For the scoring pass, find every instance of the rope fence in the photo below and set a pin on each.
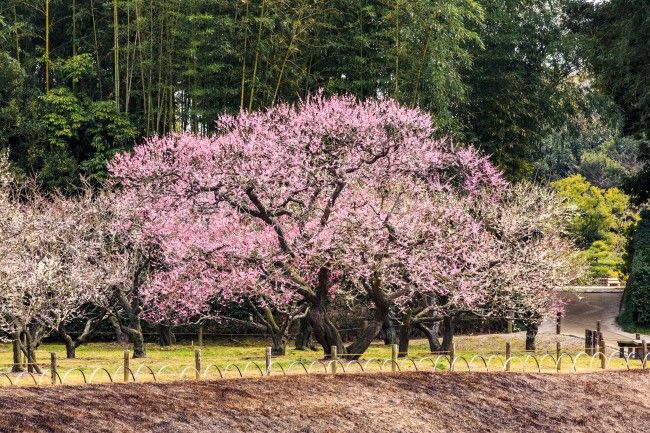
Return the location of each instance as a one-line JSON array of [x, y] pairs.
[[557, 362]]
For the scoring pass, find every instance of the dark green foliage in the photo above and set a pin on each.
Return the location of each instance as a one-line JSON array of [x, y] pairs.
[[615, 37], [504, 75], [519, 89], [637, 293], [175, 65]]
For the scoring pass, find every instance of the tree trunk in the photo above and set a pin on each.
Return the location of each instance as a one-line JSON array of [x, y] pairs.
[[165, 335], [531, 333], [132, 333], [449, 326], [404, 337], [304, 338], [136, 337], [89, 329], [432, 335], [279, 346], [324, 330], [363, 341], [70, 348], [328, 335], [17, 366], [30, 352], [120, 336], [388, 329]]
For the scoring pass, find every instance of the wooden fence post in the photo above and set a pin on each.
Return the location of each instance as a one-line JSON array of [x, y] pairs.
[[200, 336], [393, 357], [644, 353], [127, 363], [53, 372], [601, 349], [510, 322], [197, 363], [558, 354], [268, 360], [17, 354], [25, 359], [452, 356], [334, 359], [558, 324], [508, 355]]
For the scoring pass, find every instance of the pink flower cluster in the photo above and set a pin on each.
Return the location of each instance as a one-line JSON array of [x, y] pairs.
[[332, 195]]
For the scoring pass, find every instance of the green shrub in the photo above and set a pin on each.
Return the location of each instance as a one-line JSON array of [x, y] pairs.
[[636, 300]]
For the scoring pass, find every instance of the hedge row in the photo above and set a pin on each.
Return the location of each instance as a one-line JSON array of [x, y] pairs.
[[636, 301]]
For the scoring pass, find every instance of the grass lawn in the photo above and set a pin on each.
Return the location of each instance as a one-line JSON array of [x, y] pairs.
[[247, 358]]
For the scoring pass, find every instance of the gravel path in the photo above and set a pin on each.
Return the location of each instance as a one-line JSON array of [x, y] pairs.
[[585, 309]]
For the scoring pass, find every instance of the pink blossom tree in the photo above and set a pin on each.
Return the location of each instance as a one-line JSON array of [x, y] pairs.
[[330, 197]]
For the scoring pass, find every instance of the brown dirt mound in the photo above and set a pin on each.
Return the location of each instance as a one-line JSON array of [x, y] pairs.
[[408, 402]]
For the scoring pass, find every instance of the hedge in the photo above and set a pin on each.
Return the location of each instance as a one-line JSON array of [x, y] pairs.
[[636, 299]]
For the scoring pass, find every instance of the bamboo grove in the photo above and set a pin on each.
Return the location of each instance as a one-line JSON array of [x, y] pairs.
[[88, 78], [175, 64]]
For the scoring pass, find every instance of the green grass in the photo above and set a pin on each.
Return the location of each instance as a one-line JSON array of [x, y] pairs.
[[172, 363]]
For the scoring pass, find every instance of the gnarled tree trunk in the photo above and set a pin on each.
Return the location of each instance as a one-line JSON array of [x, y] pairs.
[[279, 346], [166, 335], [448, 329], [71, 344], [304, 339], [17, 364], [531, 334], [32, 341], [431, 332], [133, 332], [404, 336], [327, 334], [388, 329]]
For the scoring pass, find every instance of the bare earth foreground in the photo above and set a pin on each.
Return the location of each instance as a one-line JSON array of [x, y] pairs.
[[408, 402]]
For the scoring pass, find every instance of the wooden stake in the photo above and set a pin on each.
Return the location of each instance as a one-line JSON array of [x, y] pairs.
[[127, 363], [268, 361], [53, 372], [452, 356], [334, 359], [395, 351], [601, 349], [197, 363], [508, 355]]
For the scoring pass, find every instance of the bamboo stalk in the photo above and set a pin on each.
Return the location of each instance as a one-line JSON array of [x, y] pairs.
[[92, 15], [47, 46], [116, 55], [257, 56], [244, 55], [294, 35]]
